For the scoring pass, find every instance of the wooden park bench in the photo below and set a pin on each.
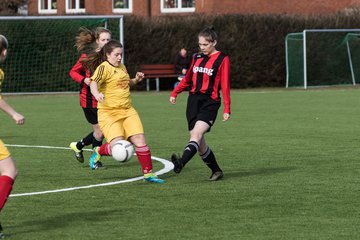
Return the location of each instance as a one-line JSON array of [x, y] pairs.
[[157, 71]]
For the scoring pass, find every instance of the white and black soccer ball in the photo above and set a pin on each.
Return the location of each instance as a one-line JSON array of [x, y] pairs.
[[122, 151]]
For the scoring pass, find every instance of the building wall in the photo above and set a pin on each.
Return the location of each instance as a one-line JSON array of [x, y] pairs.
[[32, 7], [302, 7], [61, 7], [98, 7], [292, 7], [140, 7]]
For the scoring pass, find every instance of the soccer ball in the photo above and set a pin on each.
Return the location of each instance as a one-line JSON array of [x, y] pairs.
[[122, 151]]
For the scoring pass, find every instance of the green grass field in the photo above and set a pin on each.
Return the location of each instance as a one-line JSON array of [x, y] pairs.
[[291, 160]]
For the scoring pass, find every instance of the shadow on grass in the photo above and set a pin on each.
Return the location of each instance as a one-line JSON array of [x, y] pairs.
[[259, 171], [60, 222]]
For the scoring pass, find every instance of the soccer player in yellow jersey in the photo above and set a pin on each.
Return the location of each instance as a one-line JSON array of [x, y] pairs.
[[86, 42], [8, 170], [110, 85]]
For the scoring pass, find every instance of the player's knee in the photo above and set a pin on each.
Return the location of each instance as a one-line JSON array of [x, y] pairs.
[[98, 135], [138, 140]]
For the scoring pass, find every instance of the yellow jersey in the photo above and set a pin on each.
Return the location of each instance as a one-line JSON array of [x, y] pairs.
[[114, 83]]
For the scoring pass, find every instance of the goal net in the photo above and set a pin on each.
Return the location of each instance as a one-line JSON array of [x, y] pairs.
[[42, 52], [323, 57]]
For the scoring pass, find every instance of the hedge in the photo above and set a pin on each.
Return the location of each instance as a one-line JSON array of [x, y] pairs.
[[255, 43]]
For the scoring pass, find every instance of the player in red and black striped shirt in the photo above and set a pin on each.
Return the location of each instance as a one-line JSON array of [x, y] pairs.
[[86, 42], [208, 75]]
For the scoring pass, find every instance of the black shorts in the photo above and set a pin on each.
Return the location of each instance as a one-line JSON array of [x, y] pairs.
[[91, 115], [201, 107]]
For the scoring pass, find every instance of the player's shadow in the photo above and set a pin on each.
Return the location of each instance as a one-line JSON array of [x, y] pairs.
[[258, 171], [61, 221]]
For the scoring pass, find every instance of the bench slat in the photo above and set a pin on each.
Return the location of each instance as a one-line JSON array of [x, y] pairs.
[[157, 71]]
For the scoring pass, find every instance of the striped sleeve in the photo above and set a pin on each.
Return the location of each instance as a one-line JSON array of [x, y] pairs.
[[78, 73], [99, 74], [225, 84], [185, 82]]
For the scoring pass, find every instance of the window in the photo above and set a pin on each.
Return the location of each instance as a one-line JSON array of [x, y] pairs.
[[75, 6], [122, 6], [173, 6], [47, 6]]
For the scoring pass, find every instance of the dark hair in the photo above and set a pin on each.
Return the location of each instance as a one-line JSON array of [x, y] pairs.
[[94, 59], [209, 34], [4, 44], [85, 40]]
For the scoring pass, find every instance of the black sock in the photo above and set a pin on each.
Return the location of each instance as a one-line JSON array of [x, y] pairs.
[[209, 159], [85, 141], [190, 150]]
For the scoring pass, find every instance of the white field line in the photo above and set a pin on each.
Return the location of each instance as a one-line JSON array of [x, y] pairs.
[[168, 166]]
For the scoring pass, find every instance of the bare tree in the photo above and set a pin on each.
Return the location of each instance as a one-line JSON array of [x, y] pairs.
[[10, 7]]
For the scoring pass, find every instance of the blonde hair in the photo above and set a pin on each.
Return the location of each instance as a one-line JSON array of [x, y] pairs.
[[100, 30]]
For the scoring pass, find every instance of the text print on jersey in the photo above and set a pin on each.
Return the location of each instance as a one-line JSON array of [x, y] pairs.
[[208, 71]]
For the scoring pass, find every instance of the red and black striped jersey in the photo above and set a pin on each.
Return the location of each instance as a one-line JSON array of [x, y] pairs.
[[208, 75], [78, 73]]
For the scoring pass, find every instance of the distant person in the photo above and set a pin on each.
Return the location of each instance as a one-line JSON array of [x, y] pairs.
[[8, 171], [118, 119], [182, 64], [88, 41], [208, 75]]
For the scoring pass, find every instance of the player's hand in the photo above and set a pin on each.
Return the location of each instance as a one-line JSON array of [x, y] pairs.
[[226, 116], [139, 77], [172, 100], [19, 119], [99, 97]]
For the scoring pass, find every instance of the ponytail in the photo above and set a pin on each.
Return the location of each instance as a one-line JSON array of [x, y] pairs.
[[84, 40]]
